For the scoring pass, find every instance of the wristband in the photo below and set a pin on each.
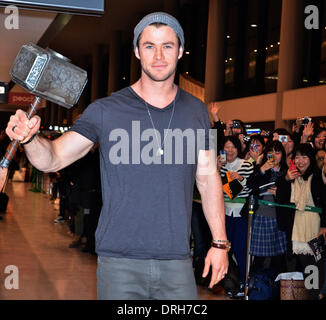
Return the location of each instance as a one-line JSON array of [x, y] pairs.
[[30, 140], [224, 246]]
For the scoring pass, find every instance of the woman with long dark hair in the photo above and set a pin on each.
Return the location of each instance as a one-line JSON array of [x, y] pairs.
[[255, 149], [267, 241], [303, 187]]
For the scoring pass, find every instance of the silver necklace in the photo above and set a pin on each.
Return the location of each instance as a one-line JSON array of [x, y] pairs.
[[160, 151]]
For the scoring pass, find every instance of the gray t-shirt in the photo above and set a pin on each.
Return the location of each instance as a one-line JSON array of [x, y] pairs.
[[147, 207]]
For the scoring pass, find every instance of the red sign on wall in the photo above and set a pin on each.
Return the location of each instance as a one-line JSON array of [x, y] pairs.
[[20, 98]]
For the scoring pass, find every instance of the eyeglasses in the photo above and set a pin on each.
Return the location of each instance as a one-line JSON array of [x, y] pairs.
[[320, 159]]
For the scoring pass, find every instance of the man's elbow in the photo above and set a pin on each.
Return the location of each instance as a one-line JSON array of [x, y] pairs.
[[201, 184], [205, 182], [47, 169], [53, 165]]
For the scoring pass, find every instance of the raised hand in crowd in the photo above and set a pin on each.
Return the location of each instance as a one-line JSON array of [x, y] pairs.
[[241, 138], [255, 153], [297, 125], [214, 108], [228, 130], [307, 132], [275, 136]]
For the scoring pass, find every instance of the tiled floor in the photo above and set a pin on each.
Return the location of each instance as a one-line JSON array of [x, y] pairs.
[[47, 268]]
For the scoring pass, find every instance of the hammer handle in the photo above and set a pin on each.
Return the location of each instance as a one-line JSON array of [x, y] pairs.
[[13, 146]]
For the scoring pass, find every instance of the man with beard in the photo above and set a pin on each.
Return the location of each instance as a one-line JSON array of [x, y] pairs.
[[142, 238]]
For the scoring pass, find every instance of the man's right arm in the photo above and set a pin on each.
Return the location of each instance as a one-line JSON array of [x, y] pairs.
[[51, 156], [46, 155]]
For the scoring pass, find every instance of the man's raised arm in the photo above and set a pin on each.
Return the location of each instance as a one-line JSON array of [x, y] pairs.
[[44, 154]]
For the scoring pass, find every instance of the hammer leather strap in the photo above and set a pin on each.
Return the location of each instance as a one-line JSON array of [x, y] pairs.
[[30, 140]]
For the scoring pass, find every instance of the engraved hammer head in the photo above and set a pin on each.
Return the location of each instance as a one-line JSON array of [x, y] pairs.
[[48, 75]]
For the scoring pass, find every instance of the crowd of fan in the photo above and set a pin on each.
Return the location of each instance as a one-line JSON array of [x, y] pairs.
[[280, 168], [285, 172]]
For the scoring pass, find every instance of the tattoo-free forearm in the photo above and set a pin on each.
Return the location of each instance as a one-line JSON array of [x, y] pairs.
[[50, 156], [40, 154], [213, 204]]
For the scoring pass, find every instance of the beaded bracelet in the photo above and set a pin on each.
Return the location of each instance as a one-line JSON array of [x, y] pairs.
[[220, 241]]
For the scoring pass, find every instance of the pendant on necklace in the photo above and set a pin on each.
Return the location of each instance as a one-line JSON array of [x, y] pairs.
[[160, 152]]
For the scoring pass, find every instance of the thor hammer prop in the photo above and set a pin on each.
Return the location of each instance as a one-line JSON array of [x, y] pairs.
[[46, 74]]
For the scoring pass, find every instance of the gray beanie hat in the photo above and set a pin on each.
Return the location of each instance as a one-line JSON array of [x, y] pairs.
[[159, 17]]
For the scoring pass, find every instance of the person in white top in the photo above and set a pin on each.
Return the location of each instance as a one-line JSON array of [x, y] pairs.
[[236, 225]]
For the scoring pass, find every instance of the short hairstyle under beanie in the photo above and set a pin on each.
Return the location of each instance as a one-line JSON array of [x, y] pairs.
[[159, 17]]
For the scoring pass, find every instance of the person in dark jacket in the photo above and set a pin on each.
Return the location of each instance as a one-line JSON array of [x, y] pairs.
[[86, 200], [268, 243], [91, 199], [302, 186]]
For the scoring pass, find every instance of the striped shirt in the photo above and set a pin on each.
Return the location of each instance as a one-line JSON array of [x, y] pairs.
[[244, 168]]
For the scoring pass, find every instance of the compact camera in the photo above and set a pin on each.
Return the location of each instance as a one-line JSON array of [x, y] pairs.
[[305, 120], [236, 124], [282, 138]]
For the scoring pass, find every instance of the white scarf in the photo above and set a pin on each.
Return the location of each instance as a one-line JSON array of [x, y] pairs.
[[306, 224]]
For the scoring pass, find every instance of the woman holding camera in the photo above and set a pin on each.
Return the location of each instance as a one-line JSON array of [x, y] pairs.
[[234, 168], [302, 186], [267, 241], [286, 139], [255, 149]]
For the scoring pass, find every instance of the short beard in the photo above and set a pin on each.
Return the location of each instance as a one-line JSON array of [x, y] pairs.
[[158, 79]]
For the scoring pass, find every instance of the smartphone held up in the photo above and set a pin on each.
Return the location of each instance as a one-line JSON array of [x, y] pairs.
[[292, 166], [223, 156]]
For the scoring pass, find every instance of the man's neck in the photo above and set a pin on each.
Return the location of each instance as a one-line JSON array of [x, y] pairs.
[[157, 93]]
